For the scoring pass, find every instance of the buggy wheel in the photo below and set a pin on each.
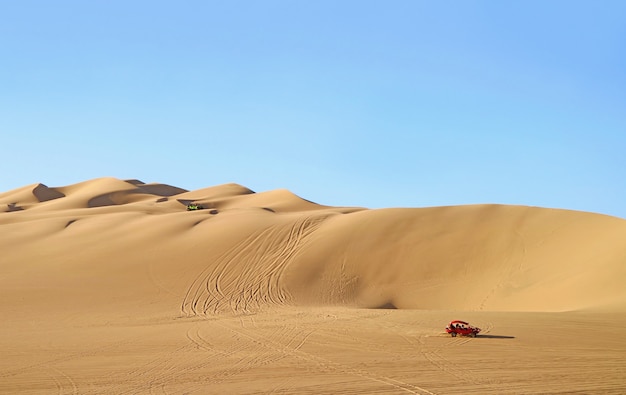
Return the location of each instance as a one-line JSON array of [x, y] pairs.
[[473, 334], [453, 334]]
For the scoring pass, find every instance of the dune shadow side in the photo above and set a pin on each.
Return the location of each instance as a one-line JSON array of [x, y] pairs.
[[495, 337], [387, 306], [44, 194], [13, 207]]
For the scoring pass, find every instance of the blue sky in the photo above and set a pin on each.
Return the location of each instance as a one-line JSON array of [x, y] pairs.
[[353, 103]]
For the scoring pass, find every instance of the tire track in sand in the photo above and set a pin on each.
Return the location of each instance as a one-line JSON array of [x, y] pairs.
[[324, 364], [249, 275], [435, 356]]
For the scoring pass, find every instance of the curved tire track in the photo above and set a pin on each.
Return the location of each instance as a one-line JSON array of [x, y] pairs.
[[249, 275]]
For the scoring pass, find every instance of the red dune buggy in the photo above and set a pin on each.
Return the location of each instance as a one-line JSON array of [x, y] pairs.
[[462, 328]]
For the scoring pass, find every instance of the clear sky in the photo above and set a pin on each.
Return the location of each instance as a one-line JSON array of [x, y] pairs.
[[348, 103]]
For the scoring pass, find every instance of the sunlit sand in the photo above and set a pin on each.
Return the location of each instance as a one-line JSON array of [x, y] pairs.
[[114, 287]]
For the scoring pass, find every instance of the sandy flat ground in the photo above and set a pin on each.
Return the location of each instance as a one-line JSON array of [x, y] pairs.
[[114, 287], [319, 350]]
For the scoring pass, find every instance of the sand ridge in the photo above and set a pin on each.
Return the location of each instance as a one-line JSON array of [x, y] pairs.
[[110, 261]]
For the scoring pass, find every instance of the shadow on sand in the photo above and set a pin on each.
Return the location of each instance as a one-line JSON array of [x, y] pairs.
[[494, 337]]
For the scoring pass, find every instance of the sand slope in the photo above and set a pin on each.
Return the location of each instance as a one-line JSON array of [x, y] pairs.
[[251, 249], [119, 275]]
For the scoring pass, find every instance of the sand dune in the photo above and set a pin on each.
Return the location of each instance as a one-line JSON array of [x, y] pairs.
[[28, 196], [116, 278]]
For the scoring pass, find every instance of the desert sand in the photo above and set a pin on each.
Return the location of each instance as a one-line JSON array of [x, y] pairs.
[[113, 287]]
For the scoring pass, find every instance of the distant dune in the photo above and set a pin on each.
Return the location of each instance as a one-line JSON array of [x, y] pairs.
[[248, 250], [115, 287]]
